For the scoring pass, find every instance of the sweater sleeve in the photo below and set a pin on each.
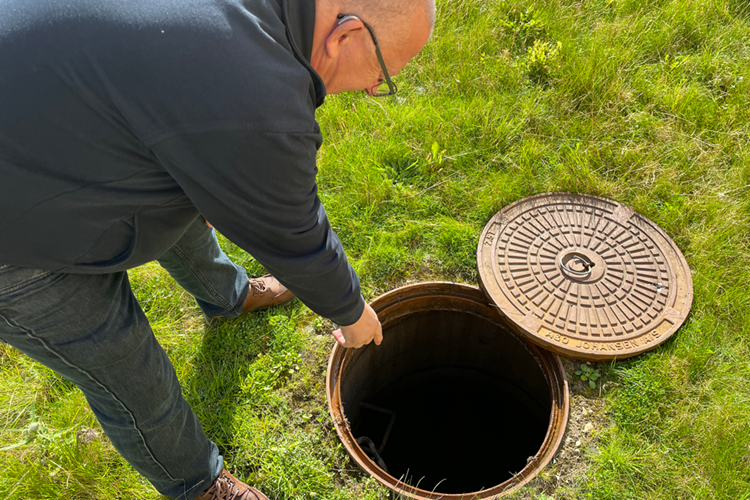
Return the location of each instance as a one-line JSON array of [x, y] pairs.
[[258, 188]]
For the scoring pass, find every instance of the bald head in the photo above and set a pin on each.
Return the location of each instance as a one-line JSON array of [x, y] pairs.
[[344, 54], [392, 20]]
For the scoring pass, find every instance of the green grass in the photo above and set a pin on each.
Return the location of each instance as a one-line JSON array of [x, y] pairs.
[[644, 102]]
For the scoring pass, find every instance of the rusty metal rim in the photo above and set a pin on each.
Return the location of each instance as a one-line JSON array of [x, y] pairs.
[[386, 306]]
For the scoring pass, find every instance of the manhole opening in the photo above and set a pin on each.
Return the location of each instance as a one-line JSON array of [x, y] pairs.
[[450, 402]]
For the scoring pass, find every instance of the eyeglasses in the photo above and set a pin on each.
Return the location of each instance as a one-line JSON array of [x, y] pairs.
[[392, 89]]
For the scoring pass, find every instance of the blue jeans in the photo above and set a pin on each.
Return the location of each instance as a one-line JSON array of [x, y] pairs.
[[92, 331]]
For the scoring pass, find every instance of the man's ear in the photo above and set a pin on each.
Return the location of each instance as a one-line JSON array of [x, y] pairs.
[[341, 35]]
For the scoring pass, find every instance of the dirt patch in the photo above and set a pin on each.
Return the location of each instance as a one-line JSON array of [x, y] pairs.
[[566, 476]]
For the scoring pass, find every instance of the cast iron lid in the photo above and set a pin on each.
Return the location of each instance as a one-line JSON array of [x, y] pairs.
[[584, 276]]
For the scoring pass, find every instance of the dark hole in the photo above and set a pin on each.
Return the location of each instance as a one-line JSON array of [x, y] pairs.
[[471, 402]]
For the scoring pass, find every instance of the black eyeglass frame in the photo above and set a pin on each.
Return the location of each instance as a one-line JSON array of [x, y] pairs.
[[392, 89]]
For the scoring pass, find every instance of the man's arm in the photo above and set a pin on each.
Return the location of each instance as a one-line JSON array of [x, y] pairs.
[[258, 188]]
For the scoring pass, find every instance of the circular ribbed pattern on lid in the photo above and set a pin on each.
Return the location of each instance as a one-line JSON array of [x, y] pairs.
[[584, 276]]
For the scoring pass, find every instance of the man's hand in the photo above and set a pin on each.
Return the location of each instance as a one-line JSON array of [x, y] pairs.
[[365, 330]]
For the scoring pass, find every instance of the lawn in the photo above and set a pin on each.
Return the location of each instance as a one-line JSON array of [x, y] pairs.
[[643, 102]]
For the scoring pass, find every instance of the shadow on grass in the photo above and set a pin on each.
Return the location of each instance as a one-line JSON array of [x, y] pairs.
[[223, 363]]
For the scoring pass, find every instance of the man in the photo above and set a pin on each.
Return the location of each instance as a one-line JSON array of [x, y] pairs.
[[124, 126]]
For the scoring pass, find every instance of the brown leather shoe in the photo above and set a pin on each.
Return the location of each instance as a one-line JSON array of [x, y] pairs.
[[265, 291], [227, 487]]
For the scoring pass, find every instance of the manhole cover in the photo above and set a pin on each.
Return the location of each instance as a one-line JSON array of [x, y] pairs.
[[584, 276]]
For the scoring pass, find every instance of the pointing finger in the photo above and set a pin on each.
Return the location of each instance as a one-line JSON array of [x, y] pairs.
[[339, 337]]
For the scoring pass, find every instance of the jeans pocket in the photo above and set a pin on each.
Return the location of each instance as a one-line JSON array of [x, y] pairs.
[[13, 279]]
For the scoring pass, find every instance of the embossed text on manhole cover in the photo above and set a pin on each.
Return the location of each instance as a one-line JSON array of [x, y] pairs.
[[584, 276]]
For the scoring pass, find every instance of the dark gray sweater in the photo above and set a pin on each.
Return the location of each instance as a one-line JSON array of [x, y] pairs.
[[122, 121]]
